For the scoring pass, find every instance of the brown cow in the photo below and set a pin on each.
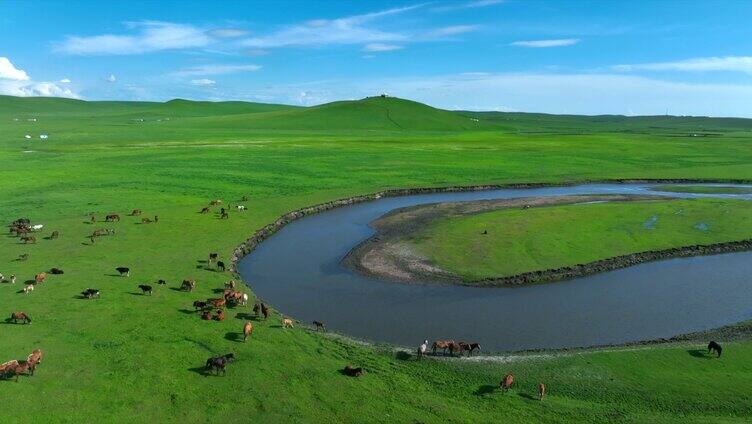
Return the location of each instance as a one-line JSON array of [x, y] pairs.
[[39, 278], [541, 391], [20, 316], [247, 330], [112, 217], [507, 382], [220, 315]]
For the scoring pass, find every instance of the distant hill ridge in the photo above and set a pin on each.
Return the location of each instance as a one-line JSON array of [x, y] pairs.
[[371, 113]]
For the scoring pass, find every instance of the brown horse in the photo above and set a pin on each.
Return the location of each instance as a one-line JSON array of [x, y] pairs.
[[8, 367], [34, 359], [247, 330], [455, 347], [217, 303], [541, 391], [20, 316], [220, 315], [441, 344], [506, 382]]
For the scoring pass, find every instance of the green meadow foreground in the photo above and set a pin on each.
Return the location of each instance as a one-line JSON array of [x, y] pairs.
[[124, 354], [540, 238]]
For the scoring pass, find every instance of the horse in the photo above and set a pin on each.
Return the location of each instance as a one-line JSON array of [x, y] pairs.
[[441, 344], [20, 316], [319, 325], [198, 305], [247, 330], [219, 363], [469, 347], [224, 215], [256, 309], [112, 217], [205, 209], [217, 303], [541, 391], [21, 368], [123, 271], [265, 310], [455, 347], [287, 323], [188, 285], [135, 212], [34, 359], [8, 368], [206, 315], [221, 266], [713, 346], [352, 372], [506, 382], [145, 289], [39, 278], [161, 282], [422, 349], [56, 271]]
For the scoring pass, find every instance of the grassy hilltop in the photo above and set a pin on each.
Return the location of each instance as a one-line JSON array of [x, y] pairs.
[[108, 358]]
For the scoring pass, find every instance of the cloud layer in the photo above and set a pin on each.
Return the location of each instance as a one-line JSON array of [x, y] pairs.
[[702, 64], [16, 82], [560, 42]]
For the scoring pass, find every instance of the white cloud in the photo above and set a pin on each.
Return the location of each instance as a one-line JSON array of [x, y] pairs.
[[65, 81], [381, 47], [469, 5], [10, 72], [16, 82], [561, 42], [111, 78], [702, 64], [347, 30], [204, 82], [451, 30], [217, 69], [227, 32], [152, 36]]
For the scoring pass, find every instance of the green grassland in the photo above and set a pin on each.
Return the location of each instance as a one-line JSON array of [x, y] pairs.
[[127, 355], [703, 189], [525, 240]]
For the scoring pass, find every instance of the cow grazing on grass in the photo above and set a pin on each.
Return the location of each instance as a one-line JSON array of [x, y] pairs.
[[423, 349], [213, 257], [90, 293], [218, 363], [541, 391], [713, 346], [265, 310], [28, 239], [39, 278], [20, 316], [247, 330], [123, 271], [319, 325], [112, 217], [28, 288], [287, 323], [145, 289], [136, 212], [441, 344], [220, 266], [56, 271], [188, 285], [506, 382], [352, 372]]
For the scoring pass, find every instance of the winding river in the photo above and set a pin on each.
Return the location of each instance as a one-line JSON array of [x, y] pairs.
[[297, 270]]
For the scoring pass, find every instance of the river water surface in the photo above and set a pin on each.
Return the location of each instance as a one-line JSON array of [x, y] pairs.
[[297, 270]]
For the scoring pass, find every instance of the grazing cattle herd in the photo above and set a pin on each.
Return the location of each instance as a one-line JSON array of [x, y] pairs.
[[208, 309]]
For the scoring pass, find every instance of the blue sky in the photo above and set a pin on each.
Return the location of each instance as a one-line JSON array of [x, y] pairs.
[[584, 57]]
